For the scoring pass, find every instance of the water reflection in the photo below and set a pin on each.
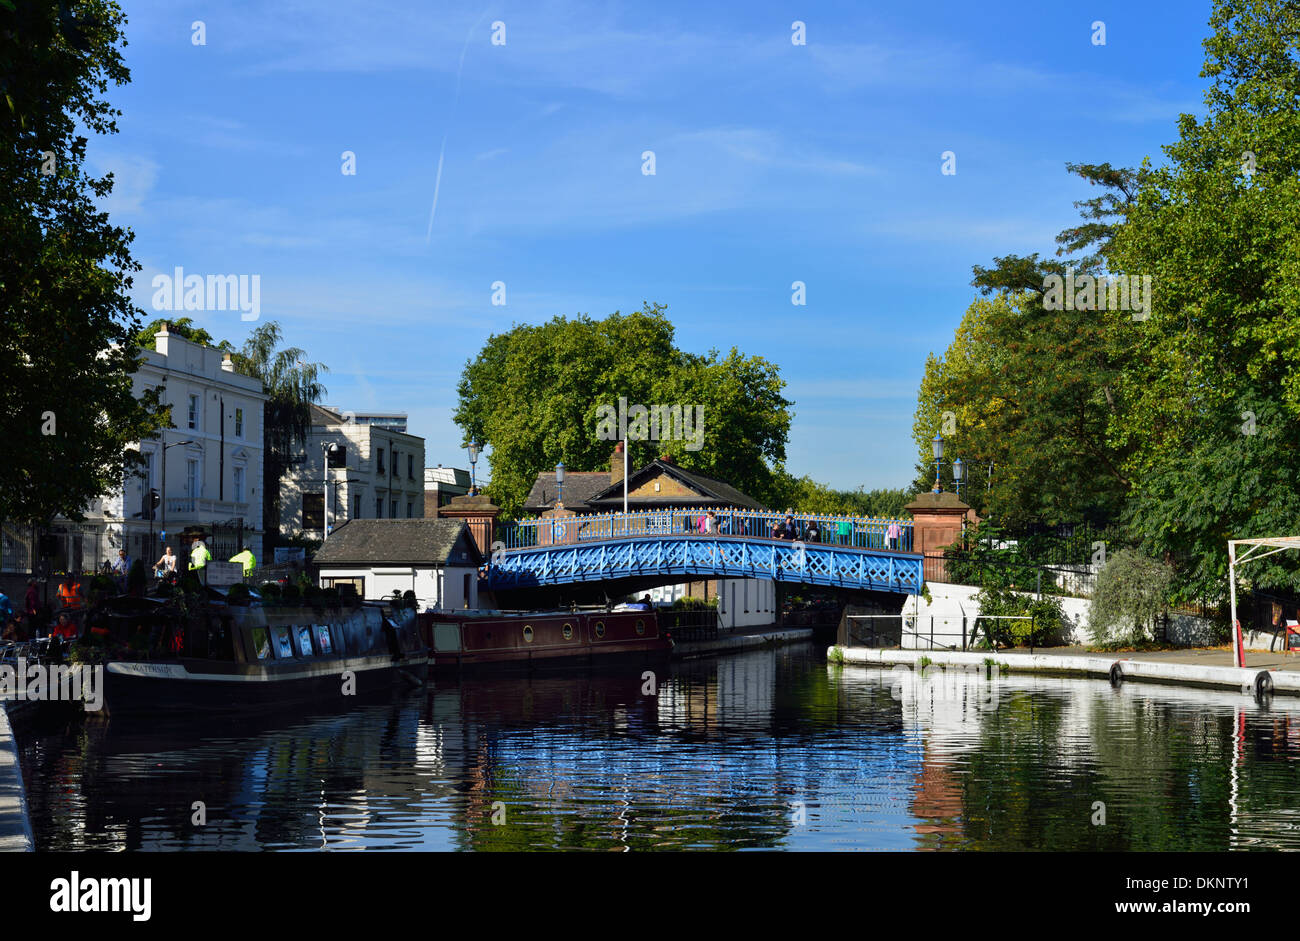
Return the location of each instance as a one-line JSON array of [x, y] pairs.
[[772, 749]]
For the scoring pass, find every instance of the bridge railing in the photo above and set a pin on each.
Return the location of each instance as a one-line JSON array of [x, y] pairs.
[[858, 532]]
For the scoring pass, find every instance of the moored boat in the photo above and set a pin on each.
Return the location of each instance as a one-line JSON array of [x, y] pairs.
[[467, 639], [239, 658]]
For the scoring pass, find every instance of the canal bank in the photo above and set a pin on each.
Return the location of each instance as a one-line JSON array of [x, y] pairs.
[[1206, 668], [15, 828], [746, 639]]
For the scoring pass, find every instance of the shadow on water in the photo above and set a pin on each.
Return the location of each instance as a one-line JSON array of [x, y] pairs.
[[770, 749]]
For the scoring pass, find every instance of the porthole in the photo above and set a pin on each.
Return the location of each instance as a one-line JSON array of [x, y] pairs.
[[568, 631], [528, 633], [640, 626], [600, 628]]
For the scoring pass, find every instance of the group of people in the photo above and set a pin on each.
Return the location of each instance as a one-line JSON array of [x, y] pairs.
[[838, 530], [33, 619]]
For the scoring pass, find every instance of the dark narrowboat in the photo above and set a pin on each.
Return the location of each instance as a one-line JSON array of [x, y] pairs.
[[240, 658], [467, 639]]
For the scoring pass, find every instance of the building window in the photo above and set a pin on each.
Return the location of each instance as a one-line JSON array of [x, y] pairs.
[[380, 466], [379, 508], [410, 510], [393, 514], [192, 478], [313, 511], [239, 423], [239, 485], [410, 467], [356, 507], [194, 411]]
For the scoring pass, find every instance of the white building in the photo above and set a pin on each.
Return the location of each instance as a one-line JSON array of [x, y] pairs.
[[212, 477], [376, 472], [435, 558], [441, 484]]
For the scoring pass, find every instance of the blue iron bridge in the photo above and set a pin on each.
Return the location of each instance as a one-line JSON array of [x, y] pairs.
[[694, 556]]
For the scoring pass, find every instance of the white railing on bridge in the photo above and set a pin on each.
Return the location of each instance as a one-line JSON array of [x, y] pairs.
[[858, 532]]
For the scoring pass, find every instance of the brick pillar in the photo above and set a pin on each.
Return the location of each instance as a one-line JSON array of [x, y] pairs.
[[479, 514], [561, 531], [936, 523]]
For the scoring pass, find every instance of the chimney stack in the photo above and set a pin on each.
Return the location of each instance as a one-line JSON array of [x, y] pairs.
[[227, 364], [616, 464]]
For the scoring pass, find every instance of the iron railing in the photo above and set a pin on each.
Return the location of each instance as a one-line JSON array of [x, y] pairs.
[[858, 532]]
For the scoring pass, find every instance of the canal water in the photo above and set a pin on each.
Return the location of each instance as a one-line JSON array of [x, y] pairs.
[[774, 749]]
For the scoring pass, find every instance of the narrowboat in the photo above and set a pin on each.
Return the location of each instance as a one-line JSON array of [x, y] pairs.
[[471, 638], [236, 658]]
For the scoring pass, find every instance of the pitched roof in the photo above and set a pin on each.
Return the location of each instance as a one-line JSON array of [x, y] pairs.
[[579, 487], [945, 500], [399, 542], [710, 489]]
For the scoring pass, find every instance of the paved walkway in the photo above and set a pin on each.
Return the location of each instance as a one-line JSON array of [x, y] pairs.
[[1196, 656], [15, 830]]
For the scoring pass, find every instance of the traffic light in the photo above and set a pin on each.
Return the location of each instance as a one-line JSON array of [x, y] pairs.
[[153, 502]]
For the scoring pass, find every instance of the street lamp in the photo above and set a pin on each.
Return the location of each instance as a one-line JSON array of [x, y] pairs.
[[327, 448], [937, 446], [958, 474], [162, 497], [559, 484], [474, 447]]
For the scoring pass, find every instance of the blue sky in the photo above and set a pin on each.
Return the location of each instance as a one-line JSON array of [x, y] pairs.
[[775, 163]]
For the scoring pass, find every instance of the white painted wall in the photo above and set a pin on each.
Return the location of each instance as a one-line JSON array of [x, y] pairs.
[[746, 602], [949, 604], [434, 587]]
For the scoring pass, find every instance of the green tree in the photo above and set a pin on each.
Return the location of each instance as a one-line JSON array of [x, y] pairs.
[[1132, 591], [66, 356], [533, 394], [292, 384], [1211, 380]]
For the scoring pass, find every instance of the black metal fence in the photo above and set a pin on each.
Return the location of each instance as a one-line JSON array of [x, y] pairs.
[[963, 568], [689, 625]]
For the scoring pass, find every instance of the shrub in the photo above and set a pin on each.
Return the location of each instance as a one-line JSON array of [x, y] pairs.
[[409, 600], [238, 594], [136, 579], [1048, 618], [291, 594], [270, 592], [1132, 591]]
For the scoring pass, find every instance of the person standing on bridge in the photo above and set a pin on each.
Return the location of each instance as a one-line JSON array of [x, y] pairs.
[[893, 534], [844, 530], [711, 523]]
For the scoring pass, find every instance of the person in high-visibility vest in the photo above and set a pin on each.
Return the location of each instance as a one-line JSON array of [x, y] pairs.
[[70, 594], [199, 555], [246, 559]]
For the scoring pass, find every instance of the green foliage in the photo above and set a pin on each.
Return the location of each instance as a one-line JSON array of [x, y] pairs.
[[532, 395], [66, 357], [136, 578], [694, 604], [238, 594], [1132, 591], [1180, 425], [1047, 624], [270, 592], [291, 594], [409, 600]]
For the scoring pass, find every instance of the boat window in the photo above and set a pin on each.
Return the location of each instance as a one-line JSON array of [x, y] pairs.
[[640, 626], [261, 643], [568, 631], [528, 633], [600, 628], [304, 641]]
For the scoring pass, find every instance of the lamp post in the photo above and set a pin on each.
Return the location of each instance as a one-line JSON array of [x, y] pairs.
[[937, 446], [559, 484], [958, 474], [327, 448], [162, 497], [474, 447]]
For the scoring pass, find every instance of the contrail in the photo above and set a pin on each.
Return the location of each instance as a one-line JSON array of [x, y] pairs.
[[437, 181]]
